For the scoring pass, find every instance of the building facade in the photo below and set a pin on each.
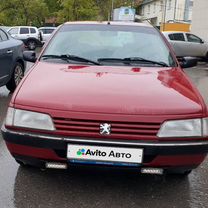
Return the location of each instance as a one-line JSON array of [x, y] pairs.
[[200, 17], [161, 11]]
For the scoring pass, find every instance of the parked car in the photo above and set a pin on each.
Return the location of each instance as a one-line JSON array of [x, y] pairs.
[[11, 61], [29, 35], [46, 33], [108, 99], [187, 44], [5, 28]]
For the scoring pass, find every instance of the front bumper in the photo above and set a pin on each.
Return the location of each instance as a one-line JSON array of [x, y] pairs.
[[155, 153]]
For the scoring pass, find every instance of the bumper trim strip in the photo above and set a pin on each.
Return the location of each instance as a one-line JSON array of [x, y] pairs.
[[108, 142]]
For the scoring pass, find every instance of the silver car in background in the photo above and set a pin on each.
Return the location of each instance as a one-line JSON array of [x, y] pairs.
[[46, 32], [29, 35], [187, 44]]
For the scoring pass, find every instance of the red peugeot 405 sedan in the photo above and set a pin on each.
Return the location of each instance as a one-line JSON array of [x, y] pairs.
[[111, 94]]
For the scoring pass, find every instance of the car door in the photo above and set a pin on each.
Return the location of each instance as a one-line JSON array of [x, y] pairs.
[[178, 41], [46, 34], [24, 33], [33, 33], [6, 57], [197, 47]]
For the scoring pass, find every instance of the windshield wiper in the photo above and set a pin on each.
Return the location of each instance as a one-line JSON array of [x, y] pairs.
[[132, 59], [68, 57]]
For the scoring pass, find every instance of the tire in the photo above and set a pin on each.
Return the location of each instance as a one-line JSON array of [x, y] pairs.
[[206, 57], [31, 44], [16, 77], [186, 173], [180, 173]]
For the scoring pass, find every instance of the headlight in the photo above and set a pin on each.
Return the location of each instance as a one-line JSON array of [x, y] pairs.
[[184, 128], [28, 119], [205, 127]]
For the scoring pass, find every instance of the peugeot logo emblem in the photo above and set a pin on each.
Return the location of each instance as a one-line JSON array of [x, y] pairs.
[[105, 129]]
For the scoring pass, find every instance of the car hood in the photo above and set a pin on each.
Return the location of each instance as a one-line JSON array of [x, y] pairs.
[[107, 89]]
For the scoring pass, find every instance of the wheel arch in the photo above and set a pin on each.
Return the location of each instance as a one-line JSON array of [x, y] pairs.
[[33, 39], [21, 61]]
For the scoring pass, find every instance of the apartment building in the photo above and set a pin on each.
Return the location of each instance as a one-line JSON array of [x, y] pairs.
[[160, 11]]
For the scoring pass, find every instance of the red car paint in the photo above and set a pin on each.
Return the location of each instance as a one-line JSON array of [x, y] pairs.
[[83, 90], [65, 95], [86, 93]]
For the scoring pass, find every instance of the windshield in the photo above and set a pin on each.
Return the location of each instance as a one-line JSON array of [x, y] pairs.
[[102, 42]]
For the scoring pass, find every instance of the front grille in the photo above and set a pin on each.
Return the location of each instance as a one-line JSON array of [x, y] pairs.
[[84, 127]]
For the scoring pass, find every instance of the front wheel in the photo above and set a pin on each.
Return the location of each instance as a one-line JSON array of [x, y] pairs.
[[206, 57], [181, 173], [16, 77]]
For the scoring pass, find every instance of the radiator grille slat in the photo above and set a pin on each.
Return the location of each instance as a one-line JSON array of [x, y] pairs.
[[85, 127]]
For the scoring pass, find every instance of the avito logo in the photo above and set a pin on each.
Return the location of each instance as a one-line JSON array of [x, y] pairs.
[[95, 153], [81, 152]]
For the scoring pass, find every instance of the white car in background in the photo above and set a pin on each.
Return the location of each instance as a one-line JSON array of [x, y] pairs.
[[29, 35], [46, 32], [187, 44]]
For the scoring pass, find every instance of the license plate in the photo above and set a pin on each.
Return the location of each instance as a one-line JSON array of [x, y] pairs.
[[107, 154]]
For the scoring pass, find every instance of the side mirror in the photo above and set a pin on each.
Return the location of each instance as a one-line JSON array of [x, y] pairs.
[[29, 56], [187, 62]]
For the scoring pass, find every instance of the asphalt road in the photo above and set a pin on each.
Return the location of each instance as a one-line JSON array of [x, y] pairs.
[[28, 188]]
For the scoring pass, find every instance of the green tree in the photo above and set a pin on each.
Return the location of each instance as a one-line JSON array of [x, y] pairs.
[[73, 10], [53, 6], [34, 12], [23, 12]]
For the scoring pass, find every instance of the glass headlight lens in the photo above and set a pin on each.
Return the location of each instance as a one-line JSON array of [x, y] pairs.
[[181, 128], [205, 127], [29, 119], [9, 117]]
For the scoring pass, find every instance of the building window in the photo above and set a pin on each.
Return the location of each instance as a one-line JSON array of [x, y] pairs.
[[143, 10], [169, 4], [154, 7], [148, 11], [161, 5], [191, 3]]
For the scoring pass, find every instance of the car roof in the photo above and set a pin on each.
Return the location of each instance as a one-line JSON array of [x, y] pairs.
[[46, 28], [124, 23], [4, 29], [23, 26]]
